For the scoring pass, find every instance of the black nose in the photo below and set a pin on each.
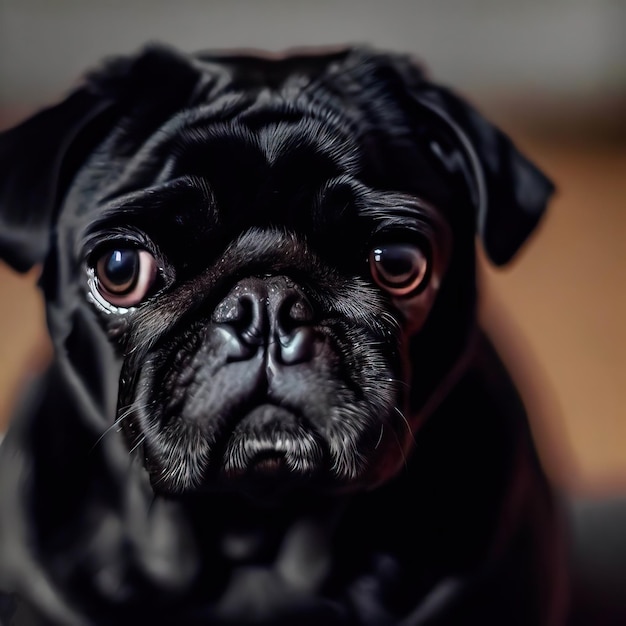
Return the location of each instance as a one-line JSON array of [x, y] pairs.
[[268, 313]]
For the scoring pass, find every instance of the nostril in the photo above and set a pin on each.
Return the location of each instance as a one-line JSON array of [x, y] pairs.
[[301, 310], [293, 316], [294, 311], [297, 347], [249, 320], [246, 314]]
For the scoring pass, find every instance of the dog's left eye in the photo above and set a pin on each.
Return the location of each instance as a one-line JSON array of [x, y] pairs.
[[399, 268], [125, 275]]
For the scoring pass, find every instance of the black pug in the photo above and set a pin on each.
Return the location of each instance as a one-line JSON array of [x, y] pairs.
[[270, 402]]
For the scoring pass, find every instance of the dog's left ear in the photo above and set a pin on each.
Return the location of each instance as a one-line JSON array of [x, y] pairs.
[[509, 193], [39, 157]]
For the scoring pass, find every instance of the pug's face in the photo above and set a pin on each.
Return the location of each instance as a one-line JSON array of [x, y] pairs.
[[280, 255], [262, 298]]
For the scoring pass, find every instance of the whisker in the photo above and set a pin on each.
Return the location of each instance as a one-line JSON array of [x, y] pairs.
[[113, 426], [401, 448], [398, 381], [380, 437], [406, 421], [139, 442], [410, 431], [118, 421]]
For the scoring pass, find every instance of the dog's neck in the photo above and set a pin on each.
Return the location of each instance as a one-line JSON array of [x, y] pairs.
[[245, 530]]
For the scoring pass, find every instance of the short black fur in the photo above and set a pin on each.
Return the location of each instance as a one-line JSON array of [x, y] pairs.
[[277, 430]]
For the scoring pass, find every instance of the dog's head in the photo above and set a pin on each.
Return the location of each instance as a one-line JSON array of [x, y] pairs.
[[278, 251]]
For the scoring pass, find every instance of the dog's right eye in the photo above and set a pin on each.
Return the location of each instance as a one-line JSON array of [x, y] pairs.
[[124, 275]]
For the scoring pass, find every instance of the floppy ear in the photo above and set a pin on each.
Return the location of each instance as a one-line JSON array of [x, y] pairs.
[[509, 193], [31, 159], [39, 158]]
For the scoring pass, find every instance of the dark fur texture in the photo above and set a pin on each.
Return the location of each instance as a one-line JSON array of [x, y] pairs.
[[272, 434]]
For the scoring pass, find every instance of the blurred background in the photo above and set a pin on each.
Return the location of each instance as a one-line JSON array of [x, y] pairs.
[[551, 73]]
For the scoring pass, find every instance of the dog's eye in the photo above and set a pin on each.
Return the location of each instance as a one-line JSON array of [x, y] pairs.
[[124, 275], [399, 268]]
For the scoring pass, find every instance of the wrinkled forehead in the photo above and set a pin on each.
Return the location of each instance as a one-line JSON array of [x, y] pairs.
[[266, 142]]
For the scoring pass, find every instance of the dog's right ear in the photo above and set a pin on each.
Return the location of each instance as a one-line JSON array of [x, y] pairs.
[[39, 158], [31, 161]]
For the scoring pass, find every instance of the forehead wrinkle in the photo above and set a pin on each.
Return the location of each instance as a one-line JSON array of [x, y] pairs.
[[289, 120], [384, 204], [371, 203], [306, 139], [223, 108], [273, 138], [238, 114], [154, 152], [161, 200]]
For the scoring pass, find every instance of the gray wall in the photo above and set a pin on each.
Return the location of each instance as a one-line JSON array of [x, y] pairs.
[[561, 48]]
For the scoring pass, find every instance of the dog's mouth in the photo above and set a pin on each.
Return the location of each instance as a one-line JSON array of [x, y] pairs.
[[270, 463], [268, 444], [269, 450], [265, 452], [267, 476]]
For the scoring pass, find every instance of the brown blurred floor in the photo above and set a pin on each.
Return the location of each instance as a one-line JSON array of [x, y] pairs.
[[558, 313]]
